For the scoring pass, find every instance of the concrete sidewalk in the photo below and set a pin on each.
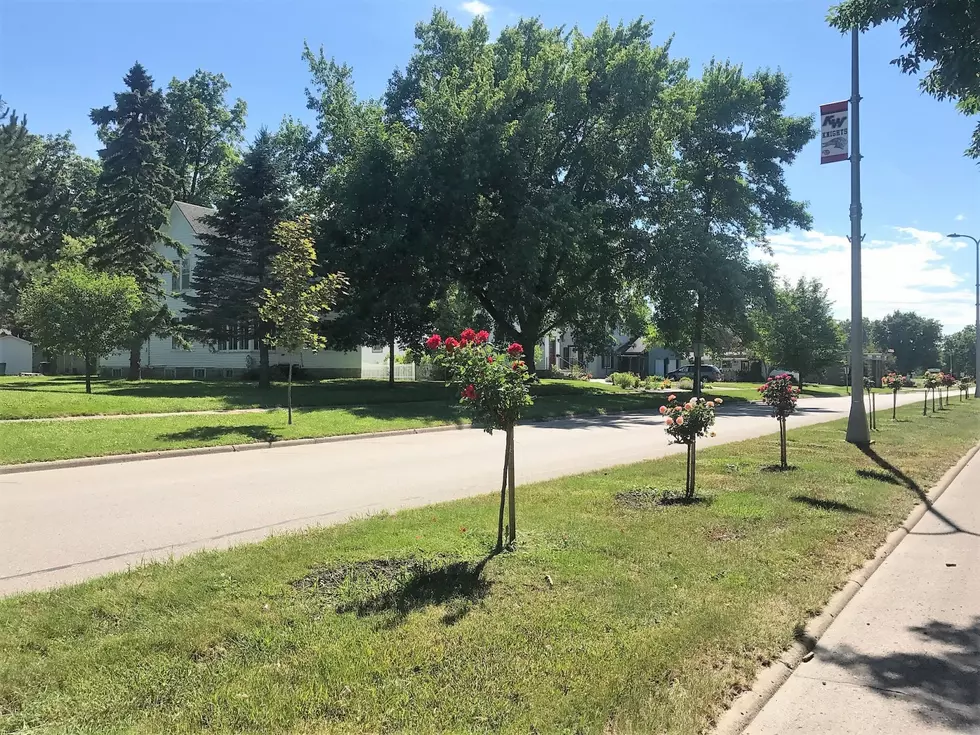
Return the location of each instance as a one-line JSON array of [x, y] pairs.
[[904, 655]]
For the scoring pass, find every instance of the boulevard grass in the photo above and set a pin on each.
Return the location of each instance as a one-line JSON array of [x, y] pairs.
[[610, 616], [50, 440]]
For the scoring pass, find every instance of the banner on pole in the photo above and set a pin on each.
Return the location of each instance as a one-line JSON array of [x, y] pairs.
[[833, 132]]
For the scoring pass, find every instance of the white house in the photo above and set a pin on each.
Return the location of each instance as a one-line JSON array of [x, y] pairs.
[[16, 355], [229, 358], [627, 355]]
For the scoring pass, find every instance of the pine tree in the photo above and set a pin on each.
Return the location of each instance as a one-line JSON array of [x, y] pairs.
[[14, 173], [134, 198], [234, 268]]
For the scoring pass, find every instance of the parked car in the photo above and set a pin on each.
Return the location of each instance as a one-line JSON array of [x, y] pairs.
[[783, 371], [708, 373]]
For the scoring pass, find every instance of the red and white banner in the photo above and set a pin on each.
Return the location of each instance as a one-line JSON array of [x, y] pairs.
[[833, 132]]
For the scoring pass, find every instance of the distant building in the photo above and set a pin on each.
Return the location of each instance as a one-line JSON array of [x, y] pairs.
[[231, 357], [628, 355]]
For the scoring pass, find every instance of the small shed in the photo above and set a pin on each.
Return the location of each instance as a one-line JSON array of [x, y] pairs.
[[16, 355]]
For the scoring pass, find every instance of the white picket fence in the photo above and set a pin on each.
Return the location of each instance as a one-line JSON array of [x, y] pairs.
[[380, 371]]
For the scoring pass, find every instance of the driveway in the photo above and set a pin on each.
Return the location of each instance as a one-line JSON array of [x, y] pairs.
[[65, 525]]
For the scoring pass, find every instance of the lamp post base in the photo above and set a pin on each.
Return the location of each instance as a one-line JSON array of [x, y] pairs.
[[857, 424]]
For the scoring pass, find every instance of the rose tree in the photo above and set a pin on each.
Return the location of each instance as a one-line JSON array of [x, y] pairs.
[[930, 382], [493, 389], [781, 396], [964, 385], [684, 424], [894, 382], [947, 381]]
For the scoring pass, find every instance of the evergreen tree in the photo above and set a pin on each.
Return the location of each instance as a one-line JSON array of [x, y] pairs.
[[234, 268], [134, 195], [14, 173]]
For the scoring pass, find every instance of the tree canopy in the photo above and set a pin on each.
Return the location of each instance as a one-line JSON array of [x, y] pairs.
[[960, 351], [915, 340], [939, 44]]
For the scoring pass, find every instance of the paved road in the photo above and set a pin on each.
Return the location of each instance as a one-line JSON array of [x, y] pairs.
[[65, 525], [904, 655]]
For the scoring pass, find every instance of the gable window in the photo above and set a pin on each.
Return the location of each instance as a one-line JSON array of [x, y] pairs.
[[180, 279]]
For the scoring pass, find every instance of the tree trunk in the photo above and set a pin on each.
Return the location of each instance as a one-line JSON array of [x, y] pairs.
[[782, 442], [503, 496], [692, 453], [134, 361], [934, 400], [511, 491], [925, 403], [391, 352], [289, 394], [263, 365], [894, 405], [88, 373]]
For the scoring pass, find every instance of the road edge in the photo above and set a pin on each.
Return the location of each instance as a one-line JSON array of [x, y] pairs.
[[60, 464], [746, 706]]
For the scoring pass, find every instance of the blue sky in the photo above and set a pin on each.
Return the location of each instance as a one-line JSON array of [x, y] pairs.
[[59, 59]]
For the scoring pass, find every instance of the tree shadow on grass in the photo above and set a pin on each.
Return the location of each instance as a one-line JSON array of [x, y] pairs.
[[831, 505], [778, 468], [255, 432], [394, 588], [904, 480], [941, 683]]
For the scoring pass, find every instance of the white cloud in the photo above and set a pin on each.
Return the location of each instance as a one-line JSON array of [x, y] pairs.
[[475, 7], [960, 217], [909, 273]]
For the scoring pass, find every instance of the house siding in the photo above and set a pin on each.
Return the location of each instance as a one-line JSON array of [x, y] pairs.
[[160, 358]]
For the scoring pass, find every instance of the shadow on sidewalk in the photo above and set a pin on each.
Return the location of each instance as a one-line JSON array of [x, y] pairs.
[[944, 685], [896, 476]]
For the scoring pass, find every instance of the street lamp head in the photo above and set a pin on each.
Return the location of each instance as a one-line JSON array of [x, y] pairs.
[[955, 234]]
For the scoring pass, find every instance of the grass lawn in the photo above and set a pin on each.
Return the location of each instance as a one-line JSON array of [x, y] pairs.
[[51, 397], [612, 616], [48, 440]]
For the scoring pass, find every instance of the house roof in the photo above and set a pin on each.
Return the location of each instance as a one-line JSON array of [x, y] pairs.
[[195, 215], [638, 347]]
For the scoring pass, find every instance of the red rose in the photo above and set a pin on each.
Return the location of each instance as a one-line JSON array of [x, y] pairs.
[[451, 344], [518, 364], [469, 392], [490, 358], [433, 342], [482, 336], [515, 349]]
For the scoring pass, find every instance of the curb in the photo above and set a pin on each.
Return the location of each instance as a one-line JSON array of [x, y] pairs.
[[747, 705], [60, 464]]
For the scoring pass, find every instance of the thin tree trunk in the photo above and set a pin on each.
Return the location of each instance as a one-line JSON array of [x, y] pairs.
[[391, 351], [894, 405], [289, 394], [925, 403], [88, 373], [934, 400], [511, 491], [503, 496], [782, 442], [687, 474]]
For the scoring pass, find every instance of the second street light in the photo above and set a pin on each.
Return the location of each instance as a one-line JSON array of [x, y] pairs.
[[976, 367]]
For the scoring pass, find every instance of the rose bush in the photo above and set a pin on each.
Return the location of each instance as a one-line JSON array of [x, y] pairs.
[[493, 390], [684, 423], [781, 396], [894, 382]]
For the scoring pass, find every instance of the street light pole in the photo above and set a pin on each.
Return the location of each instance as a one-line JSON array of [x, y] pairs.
[[976, 368], [857, 421]]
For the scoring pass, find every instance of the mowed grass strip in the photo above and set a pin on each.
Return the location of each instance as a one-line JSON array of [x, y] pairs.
[[608, 618], [50, 440]]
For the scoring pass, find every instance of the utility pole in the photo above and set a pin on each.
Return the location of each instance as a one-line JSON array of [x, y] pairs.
[[857, 420], [976, 368]]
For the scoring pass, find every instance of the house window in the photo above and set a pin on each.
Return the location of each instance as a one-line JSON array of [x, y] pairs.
[[116, 372], [199, 373], [238, 339], [607, 362], [180, 279], [229, 373]]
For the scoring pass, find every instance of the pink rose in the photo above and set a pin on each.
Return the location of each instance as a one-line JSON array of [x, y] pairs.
[[663, 410], [669, 421], [680, 420]]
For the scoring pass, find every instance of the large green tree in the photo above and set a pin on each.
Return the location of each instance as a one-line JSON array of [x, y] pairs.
[[134, 196], [915, 340], [234, 266], [204, 132], [374, 229], [81, 312], [960, 351], [733, 141], [536, 155], [799, 331], [939, 45]]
